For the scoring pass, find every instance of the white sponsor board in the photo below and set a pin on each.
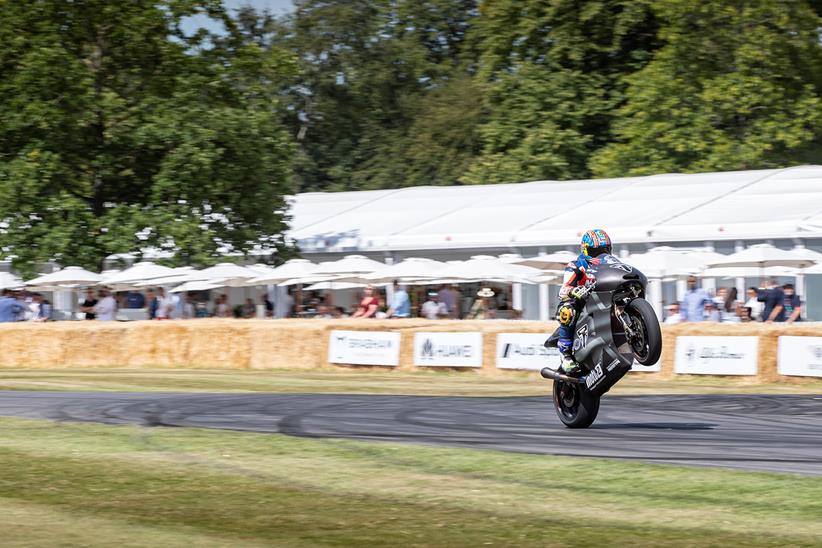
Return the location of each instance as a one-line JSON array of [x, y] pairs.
[[800, 356], [364, 347], [525, 351], [448, 349], [716, 355]]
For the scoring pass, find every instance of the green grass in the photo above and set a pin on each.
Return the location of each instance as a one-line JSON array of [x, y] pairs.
[[468, 383], [83, 484]]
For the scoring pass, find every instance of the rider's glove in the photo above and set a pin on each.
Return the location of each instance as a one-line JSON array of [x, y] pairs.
[[579, 293]]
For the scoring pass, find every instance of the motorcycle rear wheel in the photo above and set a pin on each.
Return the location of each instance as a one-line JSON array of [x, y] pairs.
[[647, 341], [576, 407]]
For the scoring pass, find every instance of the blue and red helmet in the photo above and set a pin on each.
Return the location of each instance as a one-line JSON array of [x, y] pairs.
[[595, 242]]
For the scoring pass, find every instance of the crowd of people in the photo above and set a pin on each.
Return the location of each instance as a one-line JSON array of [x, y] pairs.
[[768, 303]]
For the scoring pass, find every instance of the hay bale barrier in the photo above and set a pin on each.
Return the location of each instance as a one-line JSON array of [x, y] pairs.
[[303, 344]]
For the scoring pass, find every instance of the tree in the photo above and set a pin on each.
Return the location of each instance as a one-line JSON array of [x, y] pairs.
[[735, 86], [552, 74], [121, 132]]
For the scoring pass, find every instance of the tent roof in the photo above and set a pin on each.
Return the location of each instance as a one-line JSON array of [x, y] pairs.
[[775, 203]]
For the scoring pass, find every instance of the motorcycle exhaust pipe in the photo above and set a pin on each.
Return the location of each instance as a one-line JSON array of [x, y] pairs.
[[548, 373]]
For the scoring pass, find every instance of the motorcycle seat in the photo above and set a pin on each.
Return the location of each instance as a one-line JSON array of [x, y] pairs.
[[553, 340]]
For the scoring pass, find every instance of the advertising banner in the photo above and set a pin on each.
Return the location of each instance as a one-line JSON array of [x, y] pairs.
[[364, 347], [525, 351], [800, 356], [716, 355], [448, 349]]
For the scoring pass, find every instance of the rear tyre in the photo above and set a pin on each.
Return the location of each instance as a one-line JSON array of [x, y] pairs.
[[647, 340], [576, 407]]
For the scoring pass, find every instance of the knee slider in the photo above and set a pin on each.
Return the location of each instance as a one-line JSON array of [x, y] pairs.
[[566, 314]]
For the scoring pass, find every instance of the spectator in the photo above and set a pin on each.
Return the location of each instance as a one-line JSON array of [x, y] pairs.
[[744, 313], [674, 316], [774, 298], [222, 308], [433, 309], [481, 309], [43, 313], [189, 310], [249, 309], [369, 305], [162, 309], [449, 297], [400, 303], [201, 309], [106, 307], [88, 304], [135, 299], [754, 305], [711, 311], [792, 304], [284, 305], [693, 303], [725, 302], [9, 307], [269, 306], [151, 301], [322, 312]]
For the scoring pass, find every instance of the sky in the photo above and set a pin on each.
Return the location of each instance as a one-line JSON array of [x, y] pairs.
[[277, 7]]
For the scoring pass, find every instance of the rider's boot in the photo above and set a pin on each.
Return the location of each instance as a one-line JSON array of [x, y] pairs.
[[569, 365]]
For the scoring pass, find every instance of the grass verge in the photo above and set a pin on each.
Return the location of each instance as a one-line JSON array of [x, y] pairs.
[[461, 383], [66, 484]]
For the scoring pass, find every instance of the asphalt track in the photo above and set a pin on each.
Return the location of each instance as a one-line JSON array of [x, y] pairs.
[[752, 432]]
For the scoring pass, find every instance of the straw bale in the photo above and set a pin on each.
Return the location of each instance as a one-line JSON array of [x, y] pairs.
[[303, 345], [219, 343], [94, 344], [157, 344], [32, 345]]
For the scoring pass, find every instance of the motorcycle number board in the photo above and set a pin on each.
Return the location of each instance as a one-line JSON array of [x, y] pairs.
[[448, 349], [364, 347], [716, 355]]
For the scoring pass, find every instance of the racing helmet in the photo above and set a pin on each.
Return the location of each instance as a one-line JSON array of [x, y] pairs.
[[595, 242]]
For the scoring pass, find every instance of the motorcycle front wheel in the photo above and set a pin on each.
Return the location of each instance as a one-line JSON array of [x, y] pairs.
[[647, 340], [576, 407]]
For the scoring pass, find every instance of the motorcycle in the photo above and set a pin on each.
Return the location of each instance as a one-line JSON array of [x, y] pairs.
[[615, 327]]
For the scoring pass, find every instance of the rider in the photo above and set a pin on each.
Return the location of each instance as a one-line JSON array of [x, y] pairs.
[[576, 285]]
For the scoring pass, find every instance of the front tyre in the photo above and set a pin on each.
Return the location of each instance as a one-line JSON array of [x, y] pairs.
[[646, 341], [576, 407]]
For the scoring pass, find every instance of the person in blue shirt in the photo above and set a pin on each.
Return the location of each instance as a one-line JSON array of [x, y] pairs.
[[10, 308], [135, 299], [774, 298], [400, 303], [692, 307]]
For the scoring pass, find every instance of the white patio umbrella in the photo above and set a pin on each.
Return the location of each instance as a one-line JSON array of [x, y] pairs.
[[550, 261], [66, 278], [761, 256], [667, 262], [10, 281], [139, 272], [181, 274], [196, 285], [748, 272], [410, 269], [491, 269], [350, 265], [817, 269], [293, 269], [334, 285], [226, 274]]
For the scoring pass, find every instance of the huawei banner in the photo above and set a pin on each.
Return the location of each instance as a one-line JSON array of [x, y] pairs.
[[800, 356], [364, 347], [525, 351], [448, 349], [716, 355]]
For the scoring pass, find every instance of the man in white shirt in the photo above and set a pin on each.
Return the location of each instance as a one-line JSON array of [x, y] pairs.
[[106, 307], [432, 308], [673, 314]]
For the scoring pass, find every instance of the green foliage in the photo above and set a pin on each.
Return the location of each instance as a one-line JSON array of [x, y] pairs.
[[117, 124], [736, 86]]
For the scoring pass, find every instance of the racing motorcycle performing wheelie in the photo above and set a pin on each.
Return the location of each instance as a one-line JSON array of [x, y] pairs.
[[615, 327]]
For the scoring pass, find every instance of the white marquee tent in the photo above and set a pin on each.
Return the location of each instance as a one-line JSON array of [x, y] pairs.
[[738, 205]]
